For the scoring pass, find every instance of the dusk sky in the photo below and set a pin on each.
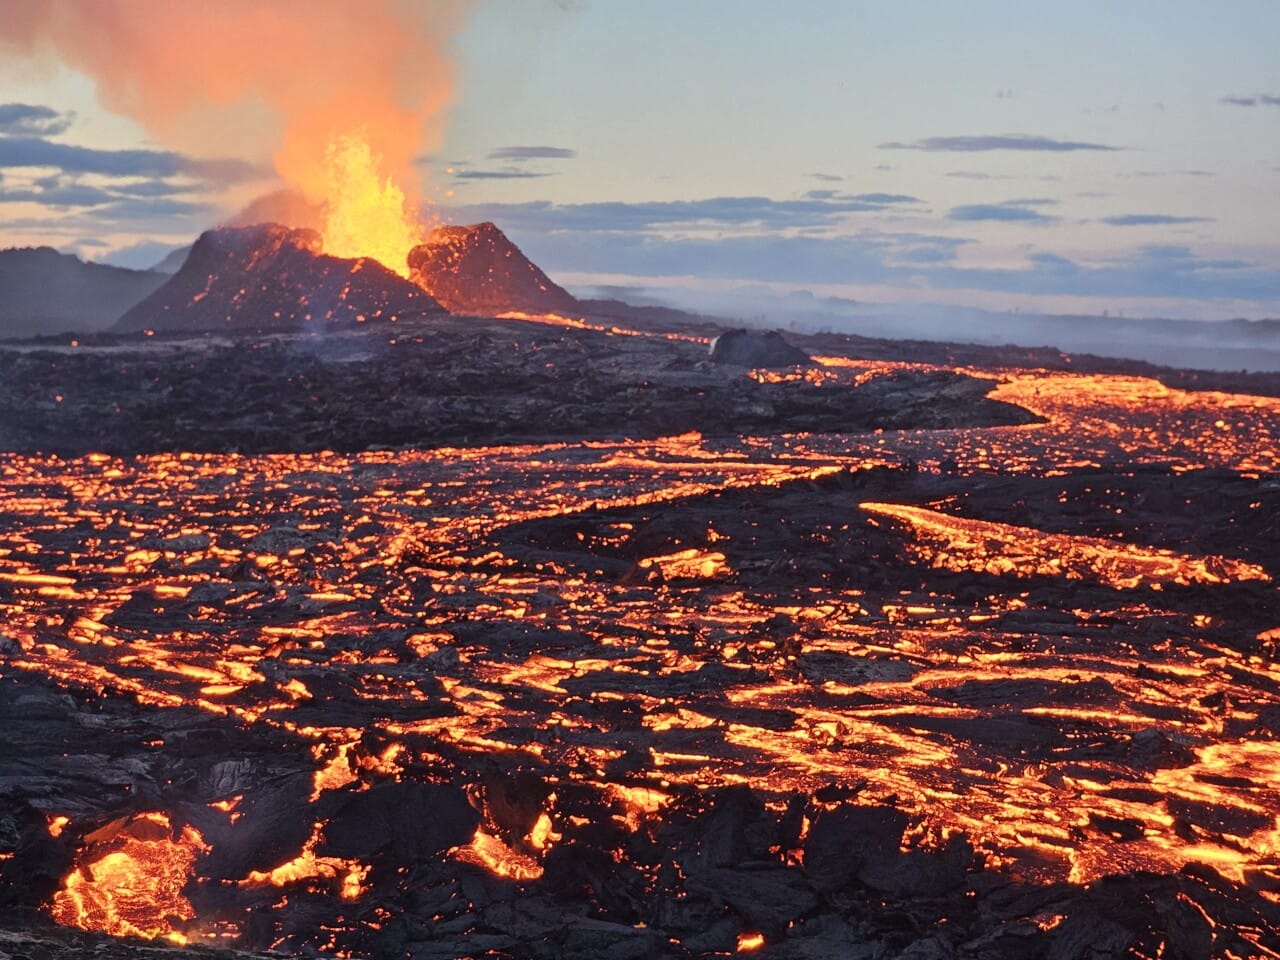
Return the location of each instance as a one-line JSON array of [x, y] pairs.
[[1073, 157]]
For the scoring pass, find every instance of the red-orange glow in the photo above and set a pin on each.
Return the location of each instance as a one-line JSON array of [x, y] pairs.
[[349, 874], [660, 686], [689, 564], [136, 888], [498, 858], [336, 773], [282, 79], [367, 214], [959, 543], [750, 941]]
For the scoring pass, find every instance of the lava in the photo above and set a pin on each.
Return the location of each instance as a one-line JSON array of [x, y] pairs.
[[135, 889], [367, 215], [588, 635]]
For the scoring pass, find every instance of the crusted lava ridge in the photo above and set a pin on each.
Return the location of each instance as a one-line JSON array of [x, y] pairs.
[[269, 277]]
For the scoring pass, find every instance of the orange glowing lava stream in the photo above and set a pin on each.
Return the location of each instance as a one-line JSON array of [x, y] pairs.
[[999, 548]]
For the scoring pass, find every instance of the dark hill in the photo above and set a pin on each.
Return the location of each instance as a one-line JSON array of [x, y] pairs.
[[43, 291], [478, 270], [269, 277]]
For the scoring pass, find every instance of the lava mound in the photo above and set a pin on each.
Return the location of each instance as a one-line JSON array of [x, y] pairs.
[[477, 270], [756, 348], [269, 277]]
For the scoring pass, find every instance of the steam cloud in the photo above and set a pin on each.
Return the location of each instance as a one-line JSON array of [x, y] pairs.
[[281, 78]]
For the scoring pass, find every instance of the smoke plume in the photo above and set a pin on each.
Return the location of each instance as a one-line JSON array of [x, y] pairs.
[[283, 78]]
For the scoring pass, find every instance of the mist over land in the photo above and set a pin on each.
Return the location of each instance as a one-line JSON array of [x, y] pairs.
[[1239, 344]]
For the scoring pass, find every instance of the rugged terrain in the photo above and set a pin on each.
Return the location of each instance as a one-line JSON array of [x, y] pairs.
[[447, 380], [608, 650]]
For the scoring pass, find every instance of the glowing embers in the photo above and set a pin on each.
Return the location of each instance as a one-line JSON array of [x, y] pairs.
[[982, 546], [133, 884]]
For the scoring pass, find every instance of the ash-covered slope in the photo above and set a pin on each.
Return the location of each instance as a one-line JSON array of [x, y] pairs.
[[43, 291], [270, 277], [478, 270]]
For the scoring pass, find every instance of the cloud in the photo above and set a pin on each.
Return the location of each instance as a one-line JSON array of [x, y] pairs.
[[1153, 271], [1255, 100], [28, 119], [1150, 220], [882, 198], [827, 177], [38, 152], [976, 144], [1009, 211], [656, 240], [58, 195], [500, 175], [1152, 174], [532, 153], [818, 208]]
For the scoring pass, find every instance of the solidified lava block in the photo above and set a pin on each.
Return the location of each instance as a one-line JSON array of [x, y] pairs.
[[477, 270], [269, 277], [756, 348]]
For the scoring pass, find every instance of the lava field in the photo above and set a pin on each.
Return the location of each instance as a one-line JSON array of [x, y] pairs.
[[520, 639]]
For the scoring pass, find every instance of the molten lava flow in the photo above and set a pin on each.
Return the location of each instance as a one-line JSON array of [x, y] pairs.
[[136, 889], [368, 215]]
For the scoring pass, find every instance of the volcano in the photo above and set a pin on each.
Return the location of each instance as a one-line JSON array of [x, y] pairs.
[[271, 277], [478, 270]]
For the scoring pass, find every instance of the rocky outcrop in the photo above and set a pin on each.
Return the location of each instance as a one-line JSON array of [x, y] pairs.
[[755, 348], [478, 270], [269, 277]]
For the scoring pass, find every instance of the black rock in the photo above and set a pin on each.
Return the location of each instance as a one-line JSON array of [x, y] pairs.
[[406, 821], [756, 348]]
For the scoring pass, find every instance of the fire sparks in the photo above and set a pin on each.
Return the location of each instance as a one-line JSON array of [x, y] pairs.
[[136, 888], [367, 214]]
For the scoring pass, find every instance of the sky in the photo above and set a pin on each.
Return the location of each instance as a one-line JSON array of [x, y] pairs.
[[1080, 157]]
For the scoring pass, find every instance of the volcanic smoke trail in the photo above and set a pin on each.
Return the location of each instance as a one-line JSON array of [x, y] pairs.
[[291, 78]]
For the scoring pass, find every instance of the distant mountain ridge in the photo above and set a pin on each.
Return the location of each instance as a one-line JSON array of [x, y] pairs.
[[43, 291]]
